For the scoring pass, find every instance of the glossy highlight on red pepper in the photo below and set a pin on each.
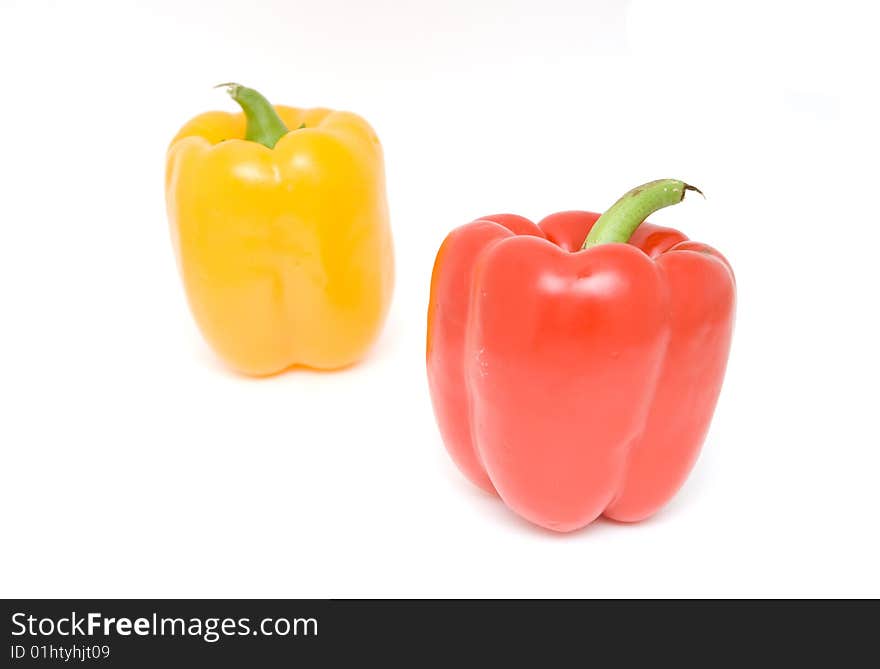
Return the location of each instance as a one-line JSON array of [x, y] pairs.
[[577, 382]]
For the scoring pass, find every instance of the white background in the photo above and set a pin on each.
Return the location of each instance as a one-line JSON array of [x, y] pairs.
[[133, 464]]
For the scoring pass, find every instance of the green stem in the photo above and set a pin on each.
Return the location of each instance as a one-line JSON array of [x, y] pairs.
[[629, 212], [263, 123]]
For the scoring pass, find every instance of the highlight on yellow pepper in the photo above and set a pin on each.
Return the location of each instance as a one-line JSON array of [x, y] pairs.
[[279, 222]]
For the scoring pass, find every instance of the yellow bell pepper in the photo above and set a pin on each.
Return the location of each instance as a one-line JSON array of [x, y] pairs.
[[282, 236]]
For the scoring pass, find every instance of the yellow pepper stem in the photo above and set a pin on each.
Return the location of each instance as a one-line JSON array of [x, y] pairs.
[[263, 123]]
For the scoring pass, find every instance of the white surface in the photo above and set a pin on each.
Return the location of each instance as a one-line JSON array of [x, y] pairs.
[[134, 465]]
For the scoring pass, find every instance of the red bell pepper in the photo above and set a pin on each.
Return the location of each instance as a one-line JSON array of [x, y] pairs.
[[578, 378]]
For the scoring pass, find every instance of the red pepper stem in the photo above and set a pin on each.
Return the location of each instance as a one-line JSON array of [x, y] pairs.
[[263, 123], [619, 222]]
